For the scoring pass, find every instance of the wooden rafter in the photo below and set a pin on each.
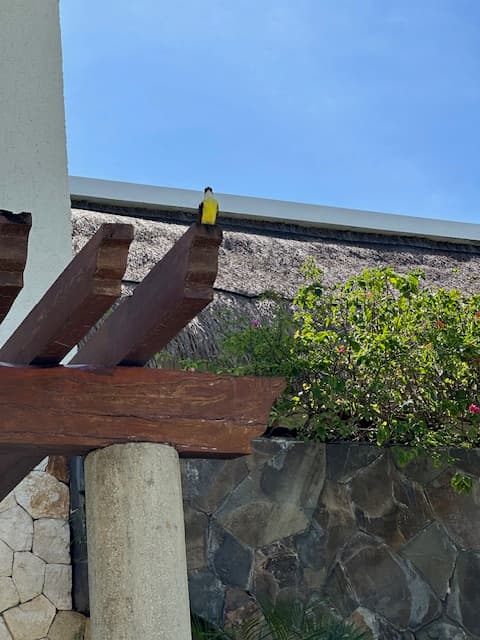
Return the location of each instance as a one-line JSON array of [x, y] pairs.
[[87, 288], [171, 295], [14, 232], [80, 296]]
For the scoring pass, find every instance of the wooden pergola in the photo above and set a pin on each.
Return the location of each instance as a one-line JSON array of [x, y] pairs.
[[105, 395]]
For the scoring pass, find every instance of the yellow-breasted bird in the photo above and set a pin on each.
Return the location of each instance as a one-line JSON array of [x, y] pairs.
[[208, 208]]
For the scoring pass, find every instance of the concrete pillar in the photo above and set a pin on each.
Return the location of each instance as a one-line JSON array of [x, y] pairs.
[[33, 157], [136, 544]]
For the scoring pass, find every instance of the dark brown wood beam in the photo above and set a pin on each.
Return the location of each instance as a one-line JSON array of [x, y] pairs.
[[72, 410], [80, 296], [15, 464], [171, 295], [14, 232]]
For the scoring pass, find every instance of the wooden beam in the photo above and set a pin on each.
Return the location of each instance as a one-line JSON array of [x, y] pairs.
[[15, 464], [14, 232], [75, 302], [72, 410], [82, 408], [171, 295]]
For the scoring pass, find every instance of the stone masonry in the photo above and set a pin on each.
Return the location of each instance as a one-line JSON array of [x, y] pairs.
[[35, 570], [396, 550]]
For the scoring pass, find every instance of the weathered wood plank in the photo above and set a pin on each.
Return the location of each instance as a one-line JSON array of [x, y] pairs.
[[72, 410], [75, 302], [171, 295], [87, 407], [14, 232]]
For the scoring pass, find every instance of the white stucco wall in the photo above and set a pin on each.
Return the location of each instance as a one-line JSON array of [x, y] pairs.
[[33, 161]]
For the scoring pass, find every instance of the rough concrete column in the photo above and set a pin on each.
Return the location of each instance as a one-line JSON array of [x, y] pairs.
[[33, 156], [136, 544]]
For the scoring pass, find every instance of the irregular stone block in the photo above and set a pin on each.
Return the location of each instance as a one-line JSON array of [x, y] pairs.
[[388, 505], [339, 590], [6, 559], [463, 603], [442, 630], [295, 475], [58, 585], [344, 460], [51, 540], [414, 510], [28, 575], [4, 632], [388, 586], [372, 489], [421, 470], [459, 513], [278, 566], [378, 628], [8, 502], [16, 529], [434, 555], [43, 496], [239, 608], [8, 594], [58, 468], [231, 559], [310, 546], [32, 620], [258, 523], [68, 625], [386, 527], [335, 515], [206, 483], [263, 449], [207, 596], [196, 528]]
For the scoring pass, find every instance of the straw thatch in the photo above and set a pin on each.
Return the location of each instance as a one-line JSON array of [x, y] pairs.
[[254, 259]]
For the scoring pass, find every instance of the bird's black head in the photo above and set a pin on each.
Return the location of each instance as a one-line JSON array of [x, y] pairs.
[[208, 189]]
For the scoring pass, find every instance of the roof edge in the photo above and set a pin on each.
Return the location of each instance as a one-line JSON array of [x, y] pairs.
[[244, 207]]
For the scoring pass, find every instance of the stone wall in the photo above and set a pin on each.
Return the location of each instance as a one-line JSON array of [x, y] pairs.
[[35, 570], [395, 549]]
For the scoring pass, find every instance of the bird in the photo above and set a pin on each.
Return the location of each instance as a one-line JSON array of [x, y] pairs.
[[208, 208]]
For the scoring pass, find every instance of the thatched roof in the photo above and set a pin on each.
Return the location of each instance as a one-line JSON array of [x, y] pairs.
[[255, 258]]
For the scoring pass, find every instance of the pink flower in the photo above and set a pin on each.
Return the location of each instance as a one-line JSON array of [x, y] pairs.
[[255, 324], [474, 409], [342, 349], [440, 324]]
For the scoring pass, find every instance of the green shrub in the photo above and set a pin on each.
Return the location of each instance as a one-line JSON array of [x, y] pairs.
[[378, 358]]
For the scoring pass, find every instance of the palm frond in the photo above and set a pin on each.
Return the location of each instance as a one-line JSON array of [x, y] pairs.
[[299, 621]]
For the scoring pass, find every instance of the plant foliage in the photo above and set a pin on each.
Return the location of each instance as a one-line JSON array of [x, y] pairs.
[[288, 621], [379, 358]]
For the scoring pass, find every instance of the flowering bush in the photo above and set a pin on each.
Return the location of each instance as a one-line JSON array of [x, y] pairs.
[[378, 358]]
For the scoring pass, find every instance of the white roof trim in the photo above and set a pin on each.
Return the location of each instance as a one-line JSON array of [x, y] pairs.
[[146, 196]]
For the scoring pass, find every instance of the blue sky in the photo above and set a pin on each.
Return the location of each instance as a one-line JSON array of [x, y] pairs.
[[369, 104]]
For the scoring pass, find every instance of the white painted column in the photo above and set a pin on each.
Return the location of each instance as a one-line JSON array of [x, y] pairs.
[[33, 158], [136, 544]]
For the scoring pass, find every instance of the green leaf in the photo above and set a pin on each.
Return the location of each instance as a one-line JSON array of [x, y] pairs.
[[461, 483]]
